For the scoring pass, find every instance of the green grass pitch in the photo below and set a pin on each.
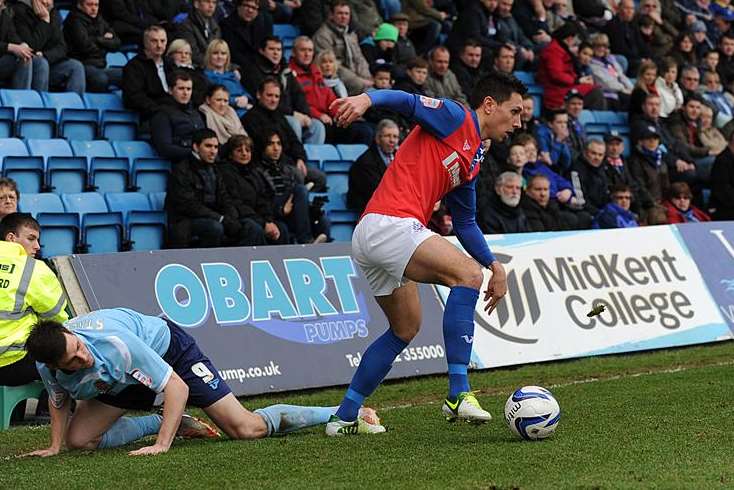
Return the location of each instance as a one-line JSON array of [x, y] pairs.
[[652, 420]]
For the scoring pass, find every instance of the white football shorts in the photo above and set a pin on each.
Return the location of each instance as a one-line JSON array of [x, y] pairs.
[[382, 247]]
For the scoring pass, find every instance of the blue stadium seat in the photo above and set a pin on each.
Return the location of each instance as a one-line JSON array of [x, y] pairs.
[[318, 154], [610, 117], [7, 121], [74, 121], [107, 172], [336, 166], [12, 147], [44, 202], [287, 33], [59, 232], [586, 117], [596, 128], [144, 228], [157, 200], [27, 172], [64, 171], [336, 207], [620, 128], [101, 229], [63, 13], [31, 117], [351, 152], [116, 123], [534, 89], [116, 60], [149, 172], [525, 77], [342, 232], [133, 149], [627, 146]]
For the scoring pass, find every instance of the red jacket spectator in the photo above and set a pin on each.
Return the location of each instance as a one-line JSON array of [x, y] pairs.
[[318, 96], [676, 216], [557, 75]]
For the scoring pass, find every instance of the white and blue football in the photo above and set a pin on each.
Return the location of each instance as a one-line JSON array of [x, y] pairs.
[[532, 413]]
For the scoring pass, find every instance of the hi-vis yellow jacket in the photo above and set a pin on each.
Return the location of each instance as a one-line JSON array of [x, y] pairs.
[[29, 290]]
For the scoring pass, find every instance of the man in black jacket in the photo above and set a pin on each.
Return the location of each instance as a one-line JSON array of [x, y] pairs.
[[625, 37], [16, 57], [265, 115], [144, 84], [502, 213], [129, 18], [592, 176], [541, 211], [467, 66], [90, 38], [199, 29], [38, 24], [244, 31], [722, 184], [366, 173], [197, 202], [176, 122]]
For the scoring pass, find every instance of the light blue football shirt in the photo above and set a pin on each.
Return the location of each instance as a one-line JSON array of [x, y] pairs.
[[128, 349]]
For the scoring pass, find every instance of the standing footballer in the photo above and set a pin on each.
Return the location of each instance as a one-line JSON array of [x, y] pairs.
[[439, 159]]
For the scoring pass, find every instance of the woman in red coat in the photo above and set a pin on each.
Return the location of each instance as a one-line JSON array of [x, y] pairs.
[[557, 73], [679, 207]]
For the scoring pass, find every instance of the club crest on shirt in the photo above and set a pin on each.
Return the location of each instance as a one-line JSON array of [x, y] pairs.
[[478, 158], [430, 102], [142, 378], [101, 386]]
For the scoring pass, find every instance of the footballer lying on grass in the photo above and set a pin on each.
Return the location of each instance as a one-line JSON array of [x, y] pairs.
[[116, 360]]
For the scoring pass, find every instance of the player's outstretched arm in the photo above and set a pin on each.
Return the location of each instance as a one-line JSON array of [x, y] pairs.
[[349, 109], [59, 419], [176, 393]]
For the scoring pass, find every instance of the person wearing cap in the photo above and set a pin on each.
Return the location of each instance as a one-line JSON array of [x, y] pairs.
[[701, 41], [405, 50], [609, 74], [574, 105], [647, 165], [441, 82], [382, 50], [618, 171]]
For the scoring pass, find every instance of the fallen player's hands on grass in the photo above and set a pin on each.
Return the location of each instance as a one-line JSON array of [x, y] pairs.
[[149, 450], [497, 287], [41, 453]]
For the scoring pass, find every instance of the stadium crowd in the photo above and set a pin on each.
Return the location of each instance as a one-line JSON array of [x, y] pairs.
[[220, 97]]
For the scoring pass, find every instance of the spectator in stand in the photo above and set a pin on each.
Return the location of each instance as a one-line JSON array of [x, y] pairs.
[[502, 212], [336, 36], [416, 81], [683, 125], [509, 32], [129, 18], [528, 120], [609, 74], [690, 80], [557, 73], [179, 57], [583, 60], [504, 60], [219, 71], [441, 82], [200, 210], [710, 61], [723, 17], [90, 38], [265, 116], [541, 212], [722, 184], [291, 196], [553, 139], [329, 66], [405, 50], [625, 37], [658, 43], [684, 50], [365, 17], [293, 103], [319, 97], [476, 21], [39, 26], [244, 31], [644, 86], [679, 207], [617, 213], [425, 23], [726, 60], [574, 105], [664, 30], [709, 135], [671, 96], [176, 121], [647, 166], [592, 177], [16, 57], [383, 49], [467, 66], [560, 188], [200, 28], [144, 84], [365, 174], [701, 41], [310, 15], [516, 160], [383, 80], [251, 193], [618, 172], [219, 115], [9, 197], [714, 94]]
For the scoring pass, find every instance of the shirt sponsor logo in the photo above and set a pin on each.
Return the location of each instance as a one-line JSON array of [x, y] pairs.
[[142, 378], [430, 102], [452, 163]]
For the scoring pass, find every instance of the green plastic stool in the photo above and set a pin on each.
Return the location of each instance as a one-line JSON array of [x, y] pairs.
[[10, 396]]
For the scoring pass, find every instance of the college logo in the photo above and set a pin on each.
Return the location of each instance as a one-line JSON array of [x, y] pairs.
[[520, 305]]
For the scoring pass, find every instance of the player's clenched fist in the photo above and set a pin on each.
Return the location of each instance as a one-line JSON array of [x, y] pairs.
[[350, 108]]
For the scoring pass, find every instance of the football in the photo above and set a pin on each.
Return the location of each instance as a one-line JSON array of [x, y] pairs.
[[532, 413]]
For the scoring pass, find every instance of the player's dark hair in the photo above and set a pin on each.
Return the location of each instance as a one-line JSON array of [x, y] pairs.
[[13, 222], [46, 342], [499, 86]]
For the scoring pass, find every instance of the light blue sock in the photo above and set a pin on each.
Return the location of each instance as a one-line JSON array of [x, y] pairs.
[[129, 429], [282, 419]]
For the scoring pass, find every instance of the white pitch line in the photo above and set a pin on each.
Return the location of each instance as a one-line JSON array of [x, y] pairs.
[[616, 377]]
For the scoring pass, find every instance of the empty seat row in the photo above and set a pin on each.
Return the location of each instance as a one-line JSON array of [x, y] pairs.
[[27, 113], [330, 157], [60, 166], [91, 222]]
